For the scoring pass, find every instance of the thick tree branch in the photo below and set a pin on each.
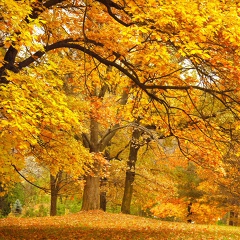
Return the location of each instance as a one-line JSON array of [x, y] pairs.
[[108, 136], [187, 87], [111, 4], [70, 43], [38, 7]]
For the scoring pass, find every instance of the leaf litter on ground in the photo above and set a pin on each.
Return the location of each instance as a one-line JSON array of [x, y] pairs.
[[109, 226]]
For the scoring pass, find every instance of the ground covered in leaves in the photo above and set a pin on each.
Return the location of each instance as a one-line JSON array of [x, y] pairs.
[[100, 225]]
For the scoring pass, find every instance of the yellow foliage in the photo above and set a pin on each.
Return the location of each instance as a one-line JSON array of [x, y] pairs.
[[177, 209], [67, 63]]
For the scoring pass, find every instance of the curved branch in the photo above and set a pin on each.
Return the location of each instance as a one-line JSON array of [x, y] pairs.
[[44, 189], [187, 87], [71, 43], [10, 56], [109, 135], [38, 7], [116, 18], [109, 3], [116, 157]]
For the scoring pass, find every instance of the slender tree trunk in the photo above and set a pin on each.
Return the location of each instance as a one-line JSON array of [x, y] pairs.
[[54, 185], [103, 194], [130, 173], [128, 192], [54, 192], [103, 201], [4, 204], [189, 220]]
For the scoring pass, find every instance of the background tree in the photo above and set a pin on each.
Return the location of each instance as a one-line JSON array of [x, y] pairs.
[[134, 146], [4, 205]]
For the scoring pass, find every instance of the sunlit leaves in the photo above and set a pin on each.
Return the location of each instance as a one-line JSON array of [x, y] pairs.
[[38, 119], [72, 62]]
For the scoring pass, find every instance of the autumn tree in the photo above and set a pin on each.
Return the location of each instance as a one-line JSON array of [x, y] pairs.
[[176, 55], [101, 97], [151, 179], [188, 187]]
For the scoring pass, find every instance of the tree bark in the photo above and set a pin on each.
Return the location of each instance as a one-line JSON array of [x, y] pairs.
[[130, 173], [54, 184], [91, 192], [128, 192], [53, 206], [103, 194], [103, 201], [5, 208], [189, 208]]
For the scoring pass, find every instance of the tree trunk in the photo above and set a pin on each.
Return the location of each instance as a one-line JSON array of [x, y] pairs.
[[54, 184], [5, 208], [53, 207], [189, 208], [128, 192], [130, 173], [103, 201], [93, 197], [91, 193], [103, 194]]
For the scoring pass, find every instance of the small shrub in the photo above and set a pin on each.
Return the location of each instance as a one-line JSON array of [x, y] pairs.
[[42, 211], [29, 213], [60, 209], [17, 207], [39, 210], [69, 206]]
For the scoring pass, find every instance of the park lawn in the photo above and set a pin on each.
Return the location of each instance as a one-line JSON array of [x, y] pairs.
[[100, 225]]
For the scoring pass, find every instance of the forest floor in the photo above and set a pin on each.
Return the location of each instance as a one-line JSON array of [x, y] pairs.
[[100, 225]]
